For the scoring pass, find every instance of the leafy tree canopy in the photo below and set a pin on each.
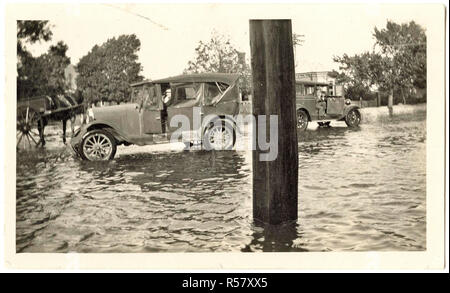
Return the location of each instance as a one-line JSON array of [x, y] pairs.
[[105, 73], [396, 64], [44, 75], [31, 31], [218, 55]]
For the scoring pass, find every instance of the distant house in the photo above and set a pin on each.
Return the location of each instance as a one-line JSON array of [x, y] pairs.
[[70, 75], [319, 76]]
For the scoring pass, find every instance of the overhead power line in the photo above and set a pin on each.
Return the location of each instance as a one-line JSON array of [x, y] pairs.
[[138, 15]]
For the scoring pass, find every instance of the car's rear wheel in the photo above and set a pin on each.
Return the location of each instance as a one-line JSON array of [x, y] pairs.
[[353, 118], [302, 120], [221, 136], [98, 145]]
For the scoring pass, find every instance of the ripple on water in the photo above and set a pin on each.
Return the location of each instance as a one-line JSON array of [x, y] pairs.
[[360, 190]]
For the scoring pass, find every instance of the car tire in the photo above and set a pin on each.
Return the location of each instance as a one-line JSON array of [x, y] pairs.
[[302, 120], [353, 118], [98, 145], [219, 137]]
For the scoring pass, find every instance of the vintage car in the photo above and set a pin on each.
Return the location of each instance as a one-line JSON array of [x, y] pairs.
[[146, 120], [323, 102]]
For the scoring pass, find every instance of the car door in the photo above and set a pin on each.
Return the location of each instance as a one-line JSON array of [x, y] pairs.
[[150, 114], [335, 105], [185, 98]]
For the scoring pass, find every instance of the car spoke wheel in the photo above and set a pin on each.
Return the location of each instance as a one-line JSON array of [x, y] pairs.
[[353, 118], [98, 145], [219, 137], [302, 120], [27, 131]]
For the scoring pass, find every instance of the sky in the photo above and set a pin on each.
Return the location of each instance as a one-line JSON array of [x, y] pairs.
[[169, 33]]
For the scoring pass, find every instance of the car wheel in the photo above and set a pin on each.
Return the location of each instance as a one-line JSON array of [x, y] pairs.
[[302, 120], [219, 137], [98, 145], [353, 118]]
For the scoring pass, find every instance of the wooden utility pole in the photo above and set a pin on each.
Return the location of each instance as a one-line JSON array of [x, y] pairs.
[[275, 183]]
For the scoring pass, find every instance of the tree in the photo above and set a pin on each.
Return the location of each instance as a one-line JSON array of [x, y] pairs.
[[218, 55], [359, 74], [28, 69], [396, 65], [44, 74], [105, 73], [403, 47], [31, 31]]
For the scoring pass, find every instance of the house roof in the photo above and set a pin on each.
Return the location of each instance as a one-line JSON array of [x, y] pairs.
[[200, 77]]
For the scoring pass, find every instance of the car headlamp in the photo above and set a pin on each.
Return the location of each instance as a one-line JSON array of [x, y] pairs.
[[348, 102], [76, 131]]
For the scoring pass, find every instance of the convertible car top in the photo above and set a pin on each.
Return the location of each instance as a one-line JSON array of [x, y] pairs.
[[200, 77]]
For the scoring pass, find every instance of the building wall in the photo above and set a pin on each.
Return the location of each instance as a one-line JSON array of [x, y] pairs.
[[319, 76]]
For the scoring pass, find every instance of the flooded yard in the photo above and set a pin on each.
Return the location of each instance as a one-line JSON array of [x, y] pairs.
[[359, 190]]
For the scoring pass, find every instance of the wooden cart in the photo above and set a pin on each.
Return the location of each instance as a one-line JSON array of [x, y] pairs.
[[34, 113]]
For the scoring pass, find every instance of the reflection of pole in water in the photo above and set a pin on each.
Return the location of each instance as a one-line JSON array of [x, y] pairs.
[[274, 238], [275, 183]]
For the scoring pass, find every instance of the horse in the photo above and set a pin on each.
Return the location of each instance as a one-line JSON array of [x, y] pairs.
[[63, 108]]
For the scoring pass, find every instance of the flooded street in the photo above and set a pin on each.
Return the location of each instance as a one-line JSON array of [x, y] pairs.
[[361, 189]]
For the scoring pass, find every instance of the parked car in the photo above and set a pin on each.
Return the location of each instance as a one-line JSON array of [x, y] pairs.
[[146, 120], [323, 103]]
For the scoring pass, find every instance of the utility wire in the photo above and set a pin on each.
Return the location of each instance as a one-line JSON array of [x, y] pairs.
[[138, 15], [405, 44]]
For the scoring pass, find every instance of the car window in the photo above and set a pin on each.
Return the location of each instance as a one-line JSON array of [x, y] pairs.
[[187, 95], [213, 91], [300, 90]]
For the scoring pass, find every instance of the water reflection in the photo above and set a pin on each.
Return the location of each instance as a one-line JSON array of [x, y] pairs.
[[275, 238], [360, 189]]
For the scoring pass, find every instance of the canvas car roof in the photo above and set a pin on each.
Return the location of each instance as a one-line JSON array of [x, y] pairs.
[[200, 77]]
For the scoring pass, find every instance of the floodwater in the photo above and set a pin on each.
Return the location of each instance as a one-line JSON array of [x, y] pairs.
[[359, 190]]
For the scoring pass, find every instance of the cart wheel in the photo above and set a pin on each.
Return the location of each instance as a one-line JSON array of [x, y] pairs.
[[27, 135]]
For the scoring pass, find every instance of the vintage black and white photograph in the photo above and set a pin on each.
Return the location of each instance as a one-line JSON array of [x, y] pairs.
[[224, 128]]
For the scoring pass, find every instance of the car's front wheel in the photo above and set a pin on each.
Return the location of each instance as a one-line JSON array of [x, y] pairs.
[[353, 118], [220, 136], [98, 145], [302, 120]]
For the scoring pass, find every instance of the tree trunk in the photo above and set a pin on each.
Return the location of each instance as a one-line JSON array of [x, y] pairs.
[[403, 97], [390, 103]]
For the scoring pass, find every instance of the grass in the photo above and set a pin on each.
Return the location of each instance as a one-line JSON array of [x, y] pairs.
[[401, 113]]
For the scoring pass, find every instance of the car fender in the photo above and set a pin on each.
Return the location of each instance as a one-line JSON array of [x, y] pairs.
[[112, 128], [348, 108], [306, 111], [210, 119]]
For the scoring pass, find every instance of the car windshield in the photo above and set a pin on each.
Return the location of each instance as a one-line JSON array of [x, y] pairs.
[[145, 95], [213, 91]]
